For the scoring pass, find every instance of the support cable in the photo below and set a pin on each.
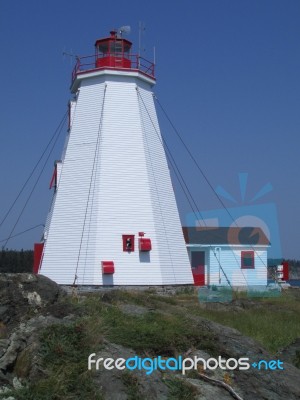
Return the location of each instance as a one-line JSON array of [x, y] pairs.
[[37, 180], [90, 186], [21, 233], [34, 168], [182, 182], [191, 200], [203, 174], [193, 158], [139, 97], [199, 213]]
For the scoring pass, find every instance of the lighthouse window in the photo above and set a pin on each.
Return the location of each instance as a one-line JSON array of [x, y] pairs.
[[116, 47], [247, 259], [103, 48], [126, 49]]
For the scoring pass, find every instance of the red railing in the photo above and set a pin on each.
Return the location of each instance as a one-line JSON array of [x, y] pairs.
[[126, 63]]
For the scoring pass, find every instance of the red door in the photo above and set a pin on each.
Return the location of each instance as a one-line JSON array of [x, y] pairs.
[[198, 267]]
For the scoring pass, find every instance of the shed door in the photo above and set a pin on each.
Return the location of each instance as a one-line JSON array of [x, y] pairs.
[[198, 267]]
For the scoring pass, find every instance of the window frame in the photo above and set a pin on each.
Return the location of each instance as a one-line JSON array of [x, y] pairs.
[[250, 255], [124, 239]]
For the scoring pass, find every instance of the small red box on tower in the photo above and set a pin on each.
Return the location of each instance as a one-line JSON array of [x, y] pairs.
[[144, 244], [108, 267]]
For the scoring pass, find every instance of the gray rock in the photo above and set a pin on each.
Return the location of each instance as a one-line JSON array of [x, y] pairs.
[[21, 294], [253, 383], [288, 354], [23, 298], [116, 383]]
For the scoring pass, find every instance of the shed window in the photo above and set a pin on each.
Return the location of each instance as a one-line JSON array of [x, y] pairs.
[[247, 259]]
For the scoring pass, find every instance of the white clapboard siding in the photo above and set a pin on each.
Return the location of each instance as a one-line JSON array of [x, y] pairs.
[[114, 180], [230, 260]]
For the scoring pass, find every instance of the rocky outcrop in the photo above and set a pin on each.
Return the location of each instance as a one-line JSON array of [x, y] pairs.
[[23, 295], [30, 303], [291, 353]]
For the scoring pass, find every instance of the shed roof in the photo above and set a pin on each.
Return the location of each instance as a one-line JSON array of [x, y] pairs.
[[225, 235]]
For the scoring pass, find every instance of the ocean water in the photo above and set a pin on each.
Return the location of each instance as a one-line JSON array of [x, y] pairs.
[[292, 282]]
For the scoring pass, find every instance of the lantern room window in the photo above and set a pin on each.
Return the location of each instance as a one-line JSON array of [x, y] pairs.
[[116, 47], [247, 260], [103, 48]]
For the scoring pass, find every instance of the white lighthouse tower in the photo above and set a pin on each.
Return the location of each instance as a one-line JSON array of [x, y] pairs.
[[114, 218]]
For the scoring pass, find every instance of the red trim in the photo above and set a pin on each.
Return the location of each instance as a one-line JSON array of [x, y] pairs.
[[114, 69], [132, 62], [247, 260], [37, 256], [113, 62], [69, 115], [112, 39], [285, 271], [54, 178]]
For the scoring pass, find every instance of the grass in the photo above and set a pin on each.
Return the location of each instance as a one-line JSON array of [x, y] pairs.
[[154, 332], [131, 384], [167, 328], [63, 344], [70, 384], [63, 351], [274, 322], [181, 390], [297, 359], [272, 329]]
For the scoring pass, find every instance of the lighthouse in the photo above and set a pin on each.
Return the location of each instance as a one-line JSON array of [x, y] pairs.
[[113, 219]]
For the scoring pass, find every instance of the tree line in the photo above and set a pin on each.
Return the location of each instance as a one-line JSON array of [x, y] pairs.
[[14, 261]]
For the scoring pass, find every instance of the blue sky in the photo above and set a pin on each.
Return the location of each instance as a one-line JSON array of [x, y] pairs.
[[227, 74]]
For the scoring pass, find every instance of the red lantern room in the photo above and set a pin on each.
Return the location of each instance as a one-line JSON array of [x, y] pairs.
[[113, 52]]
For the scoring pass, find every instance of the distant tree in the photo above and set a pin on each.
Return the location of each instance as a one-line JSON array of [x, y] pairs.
[[14, 261]]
